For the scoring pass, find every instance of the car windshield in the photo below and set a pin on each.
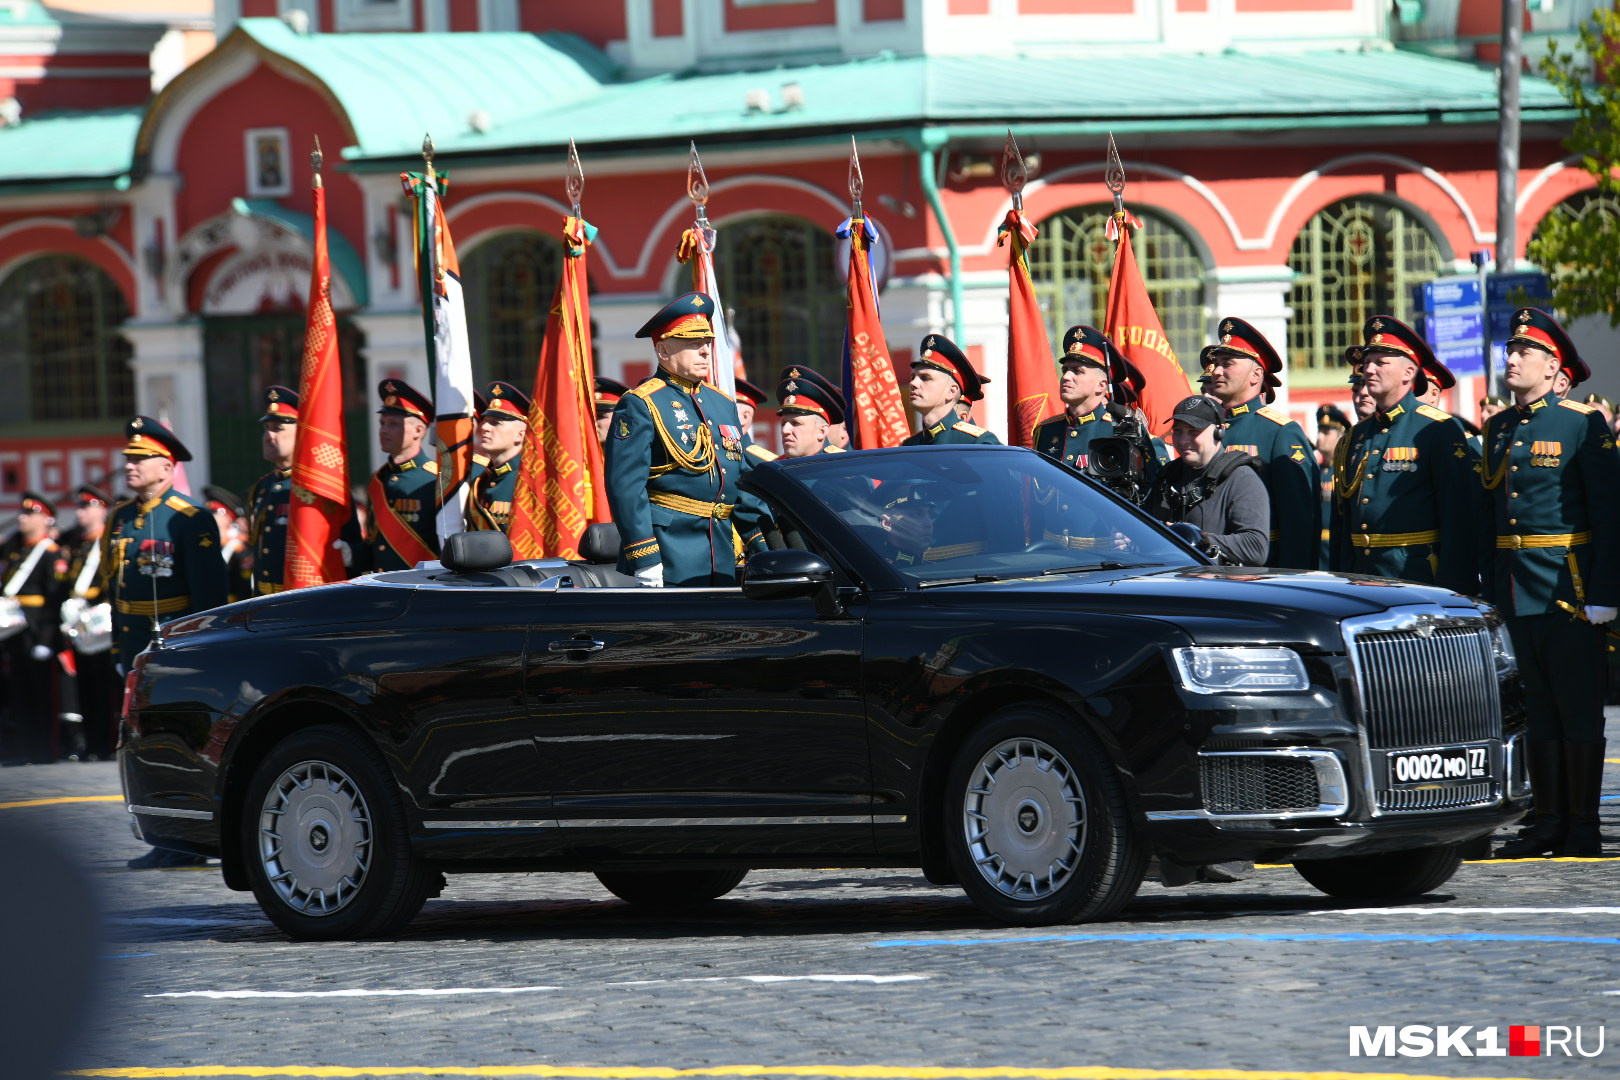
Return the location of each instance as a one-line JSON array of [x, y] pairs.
[[943, 517]]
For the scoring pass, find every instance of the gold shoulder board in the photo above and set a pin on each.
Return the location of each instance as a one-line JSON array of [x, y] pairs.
[[645, 390], [432, 467], [1276, 416], [760, 452], [1433, 413], [968, 429], [1578, 406], [175, 502]]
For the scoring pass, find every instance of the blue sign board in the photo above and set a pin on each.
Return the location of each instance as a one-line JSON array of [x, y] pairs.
[[1506, 293], [1456, 292], [1452, 322]]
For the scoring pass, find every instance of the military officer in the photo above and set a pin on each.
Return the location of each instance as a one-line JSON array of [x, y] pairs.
[[940, 376], [160, 558], [907, 521], [674, 455], [749, 399], [233, 541], [268, 498], [1093, 372], [810, 406], [1552, 475], [1331, 427], [502, 427], [1405, 503], [28, 573], [403, 494], [608, 393], [1489, 406], [1603, 405], [1246, 368], [97, 684]]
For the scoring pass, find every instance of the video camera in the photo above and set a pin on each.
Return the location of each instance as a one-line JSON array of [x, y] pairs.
[[1120, 461]]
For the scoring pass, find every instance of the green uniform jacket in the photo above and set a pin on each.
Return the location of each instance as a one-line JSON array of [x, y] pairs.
[[159, 560], [268, 508], [1553, 479], [946, 432], [489, 501], [412, 492], [1288, 466], [1408, 475], [675, 451]]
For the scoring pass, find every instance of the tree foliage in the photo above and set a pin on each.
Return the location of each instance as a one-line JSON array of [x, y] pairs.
[[1579, 242]]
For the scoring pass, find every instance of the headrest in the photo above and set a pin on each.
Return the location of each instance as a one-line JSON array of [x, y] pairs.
[[600, 544], [470, 552]]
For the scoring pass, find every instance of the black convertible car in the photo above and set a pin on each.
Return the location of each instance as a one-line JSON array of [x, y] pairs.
[[968, 660]]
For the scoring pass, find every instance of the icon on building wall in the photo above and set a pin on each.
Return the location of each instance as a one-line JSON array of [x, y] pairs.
[[267, 162]]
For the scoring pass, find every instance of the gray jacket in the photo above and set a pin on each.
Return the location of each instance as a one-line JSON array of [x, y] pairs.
[[1226, 499]]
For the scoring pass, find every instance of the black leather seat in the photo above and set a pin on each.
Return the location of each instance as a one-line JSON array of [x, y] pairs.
[[600, 544]]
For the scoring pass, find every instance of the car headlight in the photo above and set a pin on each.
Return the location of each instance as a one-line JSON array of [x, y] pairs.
[[1211, 669], [1507, 661]]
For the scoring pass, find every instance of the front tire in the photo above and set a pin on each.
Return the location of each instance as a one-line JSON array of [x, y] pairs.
[[1393, 874], [1036, 822], [324, 840], [670, 889]]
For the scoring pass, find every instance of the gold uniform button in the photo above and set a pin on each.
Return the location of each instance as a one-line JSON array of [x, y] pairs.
[[1513, 521], [1514, 469], [1515, 495], [1518, 444]]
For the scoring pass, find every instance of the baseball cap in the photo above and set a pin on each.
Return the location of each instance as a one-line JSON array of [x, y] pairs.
[[1199, 411]]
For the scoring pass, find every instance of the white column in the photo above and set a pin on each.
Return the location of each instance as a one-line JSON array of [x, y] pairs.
[[395, 349], [171, 386], [1259, 296]]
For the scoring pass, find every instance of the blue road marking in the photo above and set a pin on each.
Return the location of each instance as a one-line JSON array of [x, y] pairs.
[[1548, 939]]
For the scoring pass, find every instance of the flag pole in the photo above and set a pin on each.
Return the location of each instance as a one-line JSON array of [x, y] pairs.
[[857, 181], [1014, 172], [697, 187], [575, 178], [1114, 179]]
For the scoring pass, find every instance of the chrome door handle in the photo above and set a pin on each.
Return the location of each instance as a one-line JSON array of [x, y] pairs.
[[577, 645]]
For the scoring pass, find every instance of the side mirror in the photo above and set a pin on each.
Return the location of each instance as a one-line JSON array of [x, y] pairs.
[[788, 574]]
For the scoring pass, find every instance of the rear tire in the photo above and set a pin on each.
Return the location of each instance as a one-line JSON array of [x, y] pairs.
[[324, 840], [669, 890], [1037, 824], [1392, 874]]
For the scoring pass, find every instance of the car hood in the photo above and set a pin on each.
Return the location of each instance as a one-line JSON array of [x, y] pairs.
[[1217, 604]]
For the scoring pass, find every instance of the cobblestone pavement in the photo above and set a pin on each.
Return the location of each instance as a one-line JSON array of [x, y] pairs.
[[829, 970]]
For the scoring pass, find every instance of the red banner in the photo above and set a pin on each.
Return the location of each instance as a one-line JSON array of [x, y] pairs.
[[320, 495], [1136, 331], [877, 413], [1032, 381], [560, 487]]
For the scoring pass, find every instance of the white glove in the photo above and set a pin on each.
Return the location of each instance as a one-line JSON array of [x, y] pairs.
[[43, 652], [1597, 616], [651, 577], [342, 548]]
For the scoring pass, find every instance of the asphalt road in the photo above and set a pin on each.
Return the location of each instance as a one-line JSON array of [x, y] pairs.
[[800, 973]]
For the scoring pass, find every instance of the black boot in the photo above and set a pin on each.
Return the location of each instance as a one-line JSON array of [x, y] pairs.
[[1546, 836], [1583, 771]]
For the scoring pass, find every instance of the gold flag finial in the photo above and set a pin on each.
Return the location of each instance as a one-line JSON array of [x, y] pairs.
[[576, 177], [315, 159], [1014, 172], [1114, 178], [857, 182], [697, 185], [427, 154]]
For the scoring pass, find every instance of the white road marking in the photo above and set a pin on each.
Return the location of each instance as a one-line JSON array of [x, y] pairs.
[[455, 991], [1472, 911]]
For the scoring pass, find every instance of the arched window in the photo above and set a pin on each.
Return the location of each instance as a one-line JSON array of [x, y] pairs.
[[1071, 259], [63, 359], [1574, 242], [509, 281], [1353, 260], [776, 275]]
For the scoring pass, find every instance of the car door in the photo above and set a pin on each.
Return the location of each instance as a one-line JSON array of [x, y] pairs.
[[693, 719]]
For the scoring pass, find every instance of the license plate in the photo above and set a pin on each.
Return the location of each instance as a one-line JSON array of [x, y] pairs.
[[1440, 764]]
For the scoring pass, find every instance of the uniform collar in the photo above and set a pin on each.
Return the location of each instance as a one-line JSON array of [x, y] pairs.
[[1077, 421], [284, 473], [1252, 405], [680, 381], [1542, 402], [145, 505], [938, 429], [1402, 407], [504, 467]]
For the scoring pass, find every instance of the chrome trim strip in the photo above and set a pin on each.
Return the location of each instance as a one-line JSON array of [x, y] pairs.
[[169, 811], [660, 823], [1333, 790], [522, 823], [1516, 782]]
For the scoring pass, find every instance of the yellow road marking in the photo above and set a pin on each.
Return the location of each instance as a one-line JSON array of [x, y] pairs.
[[62, 799], [859, 1072]]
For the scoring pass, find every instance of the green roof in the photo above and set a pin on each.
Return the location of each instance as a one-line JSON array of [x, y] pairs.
[[70, 149], [397, 87]]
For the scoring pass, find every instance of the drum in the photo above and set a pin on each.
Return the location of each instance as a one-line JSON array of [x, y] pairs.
[[88, 626], [12, 619]]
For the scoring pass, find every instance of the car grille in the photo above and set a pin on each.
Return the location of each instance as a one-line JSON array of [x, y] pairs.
[[1256, 784], [1435, 798], [1428, 690]]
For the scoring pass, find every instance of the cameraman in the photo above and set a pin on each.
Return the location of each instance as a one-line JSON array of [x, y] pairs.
[[1217, 499]]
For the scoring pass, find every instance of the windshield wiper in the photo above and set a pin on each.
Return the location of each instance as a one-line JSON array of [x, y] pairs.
[[1088, 567], [976, 579]]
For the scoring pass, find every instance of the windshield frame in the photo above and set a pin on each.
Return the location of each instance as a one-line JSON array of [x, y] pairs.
[[783, 481]]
